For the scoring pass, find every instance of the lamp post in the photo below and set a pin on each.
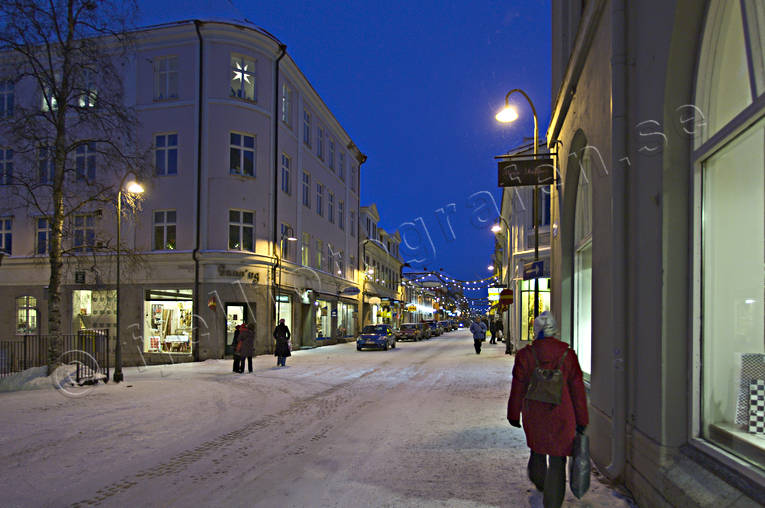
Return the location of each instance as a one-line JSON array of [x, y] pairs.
[[508, 114], [132, 187], [289, 234]]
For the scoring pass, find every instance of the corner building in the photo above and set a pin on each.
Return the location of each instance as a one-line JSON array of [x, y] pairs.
[[659, 121], [252, 210]]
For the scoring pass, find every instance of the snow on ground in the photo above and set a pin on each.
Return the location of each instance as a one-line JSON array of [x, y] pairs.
[[420, 425]]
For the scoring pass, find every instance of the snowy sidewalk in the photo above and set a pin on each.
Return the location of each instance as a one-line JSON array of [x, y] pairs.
[[420, 425]]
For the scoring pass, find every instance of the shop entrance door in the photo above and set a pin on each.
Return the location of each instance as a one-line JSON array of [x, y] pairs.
[[236, 314]]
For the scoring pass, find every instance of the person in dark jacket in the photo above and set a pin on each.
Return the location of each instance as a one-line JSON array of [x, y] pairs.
[[478, 330], [492, 332], [549, 428], [246, 346], [234, 346], [282, 350]]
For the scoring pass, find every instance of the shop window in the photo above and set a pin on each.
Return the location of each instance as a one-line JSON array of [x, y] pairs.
[[168, 321], [241, 230], [94, 310], [164, 229], [323, 319], [26, 315], [527, 305], [729, 225], [583, 267], [283, 310], [166, 154], [243, 78], [166, 78]]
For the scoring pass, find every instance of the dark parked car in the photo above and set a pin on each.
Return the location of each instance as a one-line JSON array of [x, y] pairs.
[[446, 325], [435, 328], [412, 331], [376, 336]]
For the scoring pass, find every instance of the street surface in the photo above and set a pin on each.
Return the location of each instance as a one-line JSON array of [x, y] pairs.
[[420, 425]]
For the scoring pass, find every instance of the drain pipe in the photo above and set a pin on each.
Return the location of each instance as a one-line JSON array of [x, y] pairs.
[[197, 234], [619, 251], [276, 237]]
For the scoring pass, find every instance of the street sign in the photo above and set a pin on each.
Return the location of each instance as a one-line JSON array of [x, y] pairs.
[[533, 270], [350, 290], [514, 172], [506, 297]]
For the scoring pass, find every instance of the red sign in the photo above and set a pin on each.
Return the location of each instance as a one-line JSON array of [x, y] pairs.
[[506, 297]]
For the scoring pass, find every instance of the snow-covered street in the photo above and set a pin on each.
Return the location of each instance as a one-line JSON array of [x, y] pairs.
[[419, 425]]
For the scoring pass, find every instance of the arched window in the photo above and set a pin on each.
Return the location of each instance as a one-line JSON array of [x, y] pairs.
[[729, 228], [583, 266]]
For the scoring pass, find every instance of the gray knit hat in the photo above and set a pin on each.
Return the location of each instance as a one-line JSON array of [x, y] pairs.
[[545, 323]]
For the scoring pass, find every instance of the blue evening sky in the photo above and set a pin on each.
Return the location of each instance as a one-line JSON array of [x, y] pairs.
[[416, 85]]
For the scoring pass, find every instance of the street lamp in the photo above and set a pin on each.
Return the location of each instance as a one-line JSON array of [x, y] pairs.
[[289, 234], [131, 187], [509, 114]]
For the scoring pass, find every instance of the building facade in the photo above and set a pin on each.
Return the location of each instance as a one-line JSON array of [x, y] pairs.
[[251, 213], [659, 121]]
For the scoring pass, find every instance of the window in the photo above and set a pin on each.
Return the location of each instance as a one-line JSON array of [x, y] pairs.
[[729, 220], [26, 315], [352, 223], [307, 128], [242, 154], [341, 214], [241, 230], [242, 78], [331, 158], [6, 235], [84, 232], [286, 104], [320, 143], [6, 98], [85, 161], [331, 207], [166, 78], [48, 102], [353, 178], [369, 227], [42, 241], [166, 154], [319, 250], [319, 199], [583, 267], [341, 166], [305, 250], [88, 95], [164, 230], [45, 165], [286, 232], [286, 179], [306, 189], [6, 166]]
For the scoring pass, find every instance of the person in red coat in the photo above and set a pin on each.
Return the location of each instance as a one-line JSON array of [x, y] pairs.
[[549, 428]]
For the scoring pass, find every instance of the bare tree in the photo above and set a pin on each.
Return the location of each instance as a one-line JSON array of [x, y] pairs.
[[71, 131]]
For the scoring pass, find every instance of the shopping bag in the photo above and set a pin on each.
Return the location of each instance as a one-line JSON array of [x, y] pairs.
[[579, 466]]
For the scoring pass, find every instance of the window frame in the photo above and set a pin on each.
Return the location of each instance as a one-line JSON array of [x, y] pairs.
[[45, 232], [319, 199], [88, 231], [6, 235], [242, 148], [85, 161], [242, 227], [166, 150], [244, 61], [286, 174], [165, 225], [166, 79], [7, 98], [307, 128], [307, 189]]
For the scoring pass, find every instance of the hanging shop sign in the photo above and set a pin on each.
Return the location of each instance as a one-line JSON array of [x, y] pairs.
[[411, 308], [212, 303], [506, 297], [525, 170], [350, 291]]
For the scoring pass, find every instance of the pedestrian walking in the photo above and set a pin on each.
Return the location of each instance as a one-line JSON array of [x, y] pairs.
[[282, 350], [246, 346], [492, 332], [478, 330], [235, 346], [549, 427], [485, 328]]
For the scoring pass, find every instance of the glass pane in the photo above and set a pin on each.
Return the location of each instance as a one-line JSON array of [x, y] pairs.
[[732, 303], [160, 141], [249, 163], [236, 139], [755, 21], [172, 140], [583, 307], [247, 240], [172, 161], [236, 163], [159, 161], [723, 79], [248, 217], [233, 238], [170, 215], [249, 141], [233, 215], [170, 245], [159, 237]]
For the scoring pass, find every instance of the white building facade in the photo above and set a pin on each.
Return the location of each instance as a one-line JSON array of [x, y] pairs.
[[252, 209]]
